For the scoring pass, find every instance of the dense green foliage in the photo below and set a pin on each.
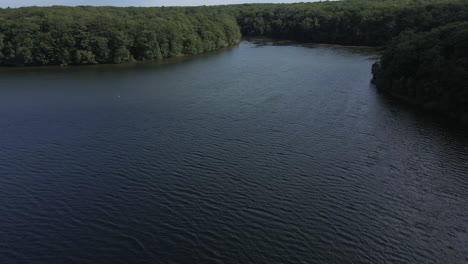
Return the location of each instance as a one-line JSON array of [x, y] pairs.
[[428, 69], [355, 22], [90, 35]]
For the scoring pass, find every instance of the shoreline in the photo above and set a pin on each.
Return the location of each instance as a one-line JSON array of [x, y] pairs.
[[296, 42], [182, 58], [163, 61]]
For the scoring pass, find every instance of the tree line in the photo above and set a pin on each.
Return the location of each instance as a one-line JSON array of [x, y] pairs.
[[91, 35], [428, 69], [352, 22]]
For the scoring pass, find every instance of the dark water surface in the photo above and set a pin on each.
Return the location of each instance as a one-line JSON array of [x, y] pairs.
[[258, 154]]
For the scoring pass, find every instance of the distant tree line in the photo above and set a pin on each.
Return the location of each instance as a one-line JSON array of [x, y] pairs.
[[352, 22], [92, 35]]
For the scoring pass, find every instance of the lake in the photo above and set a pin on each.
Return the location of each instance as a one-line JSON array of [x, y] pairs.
[[268, 152]]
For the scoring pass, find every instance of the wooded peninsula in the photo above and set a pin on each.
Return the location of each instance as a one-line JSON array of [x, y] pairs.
[[424, 42]]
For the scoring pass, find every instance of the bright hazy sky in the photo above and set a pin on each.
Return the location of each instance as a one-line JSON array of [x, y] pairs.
[[18, 3]]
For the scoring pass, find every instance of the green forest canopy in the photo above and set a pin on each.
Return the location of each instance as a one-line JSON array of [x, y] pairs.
[[428, 69], [90, 35]]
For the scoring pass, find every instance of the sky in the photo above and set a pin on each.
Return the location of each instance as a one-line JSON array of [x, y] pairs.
[[19, 3]]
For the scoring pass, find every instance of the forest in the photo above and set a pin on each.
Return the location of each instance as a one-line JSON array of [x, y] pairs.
[[428, 69], [355, 22], [61, 35], [424, 42], [93, 35]]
